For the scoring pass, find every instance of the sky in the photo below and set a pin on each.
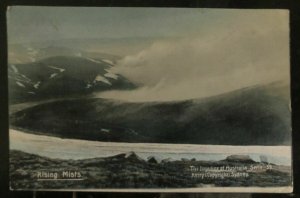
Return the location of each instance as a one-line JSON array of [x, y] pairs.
[[208, 51], [34, 23]]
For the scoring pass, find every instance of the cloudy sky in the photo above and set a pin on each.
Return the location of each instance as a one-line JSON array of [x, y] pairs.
[[208, 51], [28, 23], [37, 23]]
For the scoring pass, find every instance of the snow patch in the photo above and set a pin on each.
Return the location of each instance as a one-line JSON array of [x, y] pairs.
[[109, 74], [18, 78], [28, 79], [105, 130], [93, 60], [88, 86], [64, 148], [60, 69], [108, 61], [20, 84], [53, 75], [102, 79], [14, 68], [36, 86], [31, 92]]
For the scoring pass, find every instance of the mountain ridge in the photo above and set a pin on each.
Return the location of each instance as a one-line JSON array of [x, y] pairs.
[[246, 117], [62, 76]]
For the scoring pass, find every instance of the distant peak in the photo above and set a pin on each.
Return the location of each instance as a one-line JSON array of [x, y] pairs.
[[129, 156], [152, 160]]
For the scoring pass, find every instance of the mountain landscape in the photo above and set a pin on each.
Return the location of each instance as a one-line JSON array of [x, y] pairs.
[[54, 92], [128, 170], [256, 115], [63, 75], [108, 48], [149, 99]]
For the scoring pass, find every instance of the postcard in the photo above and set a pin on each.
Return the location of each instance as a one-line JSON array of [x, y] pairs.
[[121, 99]]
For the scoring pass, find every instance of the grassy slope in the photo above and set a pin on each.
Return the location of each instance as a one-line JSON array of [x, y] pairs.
[[252, 116]]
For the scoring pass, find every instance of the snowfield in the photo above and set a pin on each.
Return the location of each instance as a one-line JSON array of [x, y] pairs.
[[55, 147]]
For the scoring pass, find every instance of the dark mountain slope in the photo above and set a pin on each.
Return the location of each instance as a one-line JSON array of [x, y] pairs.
[[253, 116], [62, 76]]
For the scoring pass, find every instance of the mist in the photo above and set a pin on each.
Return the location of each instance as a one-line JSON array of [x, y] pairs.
[[245, 51]]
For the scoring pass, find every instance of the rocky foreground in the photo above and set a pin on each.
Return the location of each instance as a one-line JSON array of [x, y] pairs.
[[28, 171]]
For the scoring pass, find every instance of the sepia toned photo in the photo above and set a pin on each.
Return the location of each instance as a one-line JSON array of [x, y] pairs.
[[149, 99]]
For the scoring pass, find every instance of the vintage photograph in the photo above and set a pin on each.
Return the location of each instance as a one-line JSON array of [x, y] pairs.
[[149, 99]]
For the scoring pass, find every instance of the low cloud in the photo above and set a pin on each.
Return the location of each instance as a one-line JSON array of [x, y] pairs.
[[243, 52]]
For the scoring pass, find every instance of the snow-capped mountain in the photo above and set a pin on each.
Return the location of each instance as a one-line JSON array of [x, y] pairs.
[[62, 76]]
